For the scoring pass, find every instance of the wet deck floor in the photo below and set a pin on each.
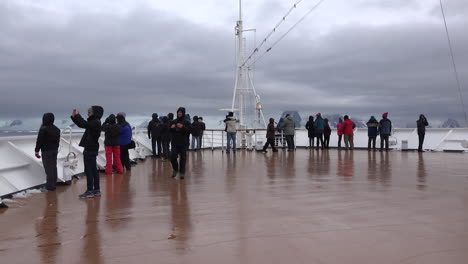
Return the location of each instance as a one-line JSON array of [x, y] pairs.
[[303, 207]]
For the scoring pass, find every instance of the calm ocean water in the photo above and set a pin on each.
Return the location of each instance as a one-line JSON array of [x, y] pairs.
[[17, 133]]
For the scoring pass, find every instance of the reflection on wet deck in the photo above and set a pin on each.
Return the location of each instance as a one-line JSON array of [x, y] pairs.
[[303, 207]]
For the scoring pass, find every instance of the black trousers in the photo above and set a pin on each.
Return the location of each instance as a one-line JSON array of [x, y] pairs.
[[49, 160], [371, 140], [339, 140], [271, 142], [384, 139], [326, 141], [175, 152], [156, 141], [124, 156], [421, 140], [91, 171], [319, 137], [311, 142], [290, 141], [165, 149]]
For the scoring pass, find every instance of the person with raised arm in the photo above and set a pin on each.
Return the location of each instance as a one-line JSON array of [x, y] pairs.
[[90, 142]]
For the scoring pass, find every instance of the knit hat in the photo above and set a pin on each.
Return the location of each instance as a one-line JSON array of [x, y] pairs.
[[384, 115]]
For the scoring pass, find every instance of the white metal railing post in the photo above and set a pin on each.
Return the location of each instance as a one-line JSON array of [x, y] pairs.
[[69, 128], [255, 140], [70, 141], [282, 139], [295, 142]]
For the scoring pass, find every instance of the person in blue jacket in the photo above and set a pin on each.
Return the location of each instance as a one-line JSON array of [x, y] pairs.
[[125, 138], [385, 129], [319, 127], [372, 127]]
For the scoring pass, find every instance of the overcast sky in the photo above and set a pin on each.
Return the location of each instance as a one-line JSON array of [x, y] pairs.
[[357, 57]]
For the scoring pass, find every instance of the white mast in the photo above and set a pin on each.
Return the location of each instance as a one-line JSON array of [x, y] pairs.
[[245, 99]]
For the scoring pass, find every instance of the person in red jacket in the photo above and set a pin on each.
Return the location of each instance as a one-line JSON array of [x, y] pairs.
[[348, 126], [339, 131]]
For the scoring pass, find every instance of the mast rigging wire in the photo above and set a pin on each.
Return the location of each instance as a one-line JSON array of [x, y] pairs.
[[289, 30], [272, 31], [453, 62]]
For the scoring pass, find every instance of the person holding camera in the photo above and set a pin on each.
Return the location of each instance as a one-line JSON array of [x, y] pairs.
[[48, 140], [90, 142], [422, 124], [180, 129]]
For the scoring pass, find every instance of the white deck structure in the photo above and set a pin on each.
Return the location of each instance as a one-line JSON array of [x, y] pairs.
[[20, 170]]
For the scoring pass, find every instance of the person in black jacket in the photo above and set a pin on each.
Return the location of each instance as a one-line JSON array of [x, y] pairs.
[[270, 136], [48, 140], [165, 138], [203, 128], [422, 124], [180, 129], [326, 134], [310, 131], [154, 133], [90, 142], [196, 133], [111, 144]]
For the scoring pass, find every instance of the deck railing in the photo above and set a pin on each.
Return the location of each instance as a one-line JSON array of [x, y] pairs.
[[20, 169]]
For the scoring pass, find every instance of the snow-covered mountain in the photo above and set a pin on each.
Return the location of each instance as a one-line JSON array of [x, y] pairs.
[[450, 123]]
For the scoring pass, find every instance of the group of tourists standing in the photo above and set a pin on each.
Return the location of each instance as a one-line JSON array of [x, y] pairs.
[[383, 128], [159, 132], [170, 139], [117, 142], [319, 129]]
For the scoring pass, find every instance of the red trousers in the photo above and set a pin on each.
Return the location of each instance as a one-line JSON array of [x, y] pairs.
[[113, 151]]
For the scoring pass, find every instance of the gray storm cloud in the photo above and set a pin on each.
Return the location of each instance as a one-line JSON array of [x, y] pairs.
[[145, 61]]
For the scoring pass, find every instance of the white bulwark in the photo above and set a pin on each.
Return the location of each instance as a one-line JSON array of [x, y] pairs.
[[21, 170]]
